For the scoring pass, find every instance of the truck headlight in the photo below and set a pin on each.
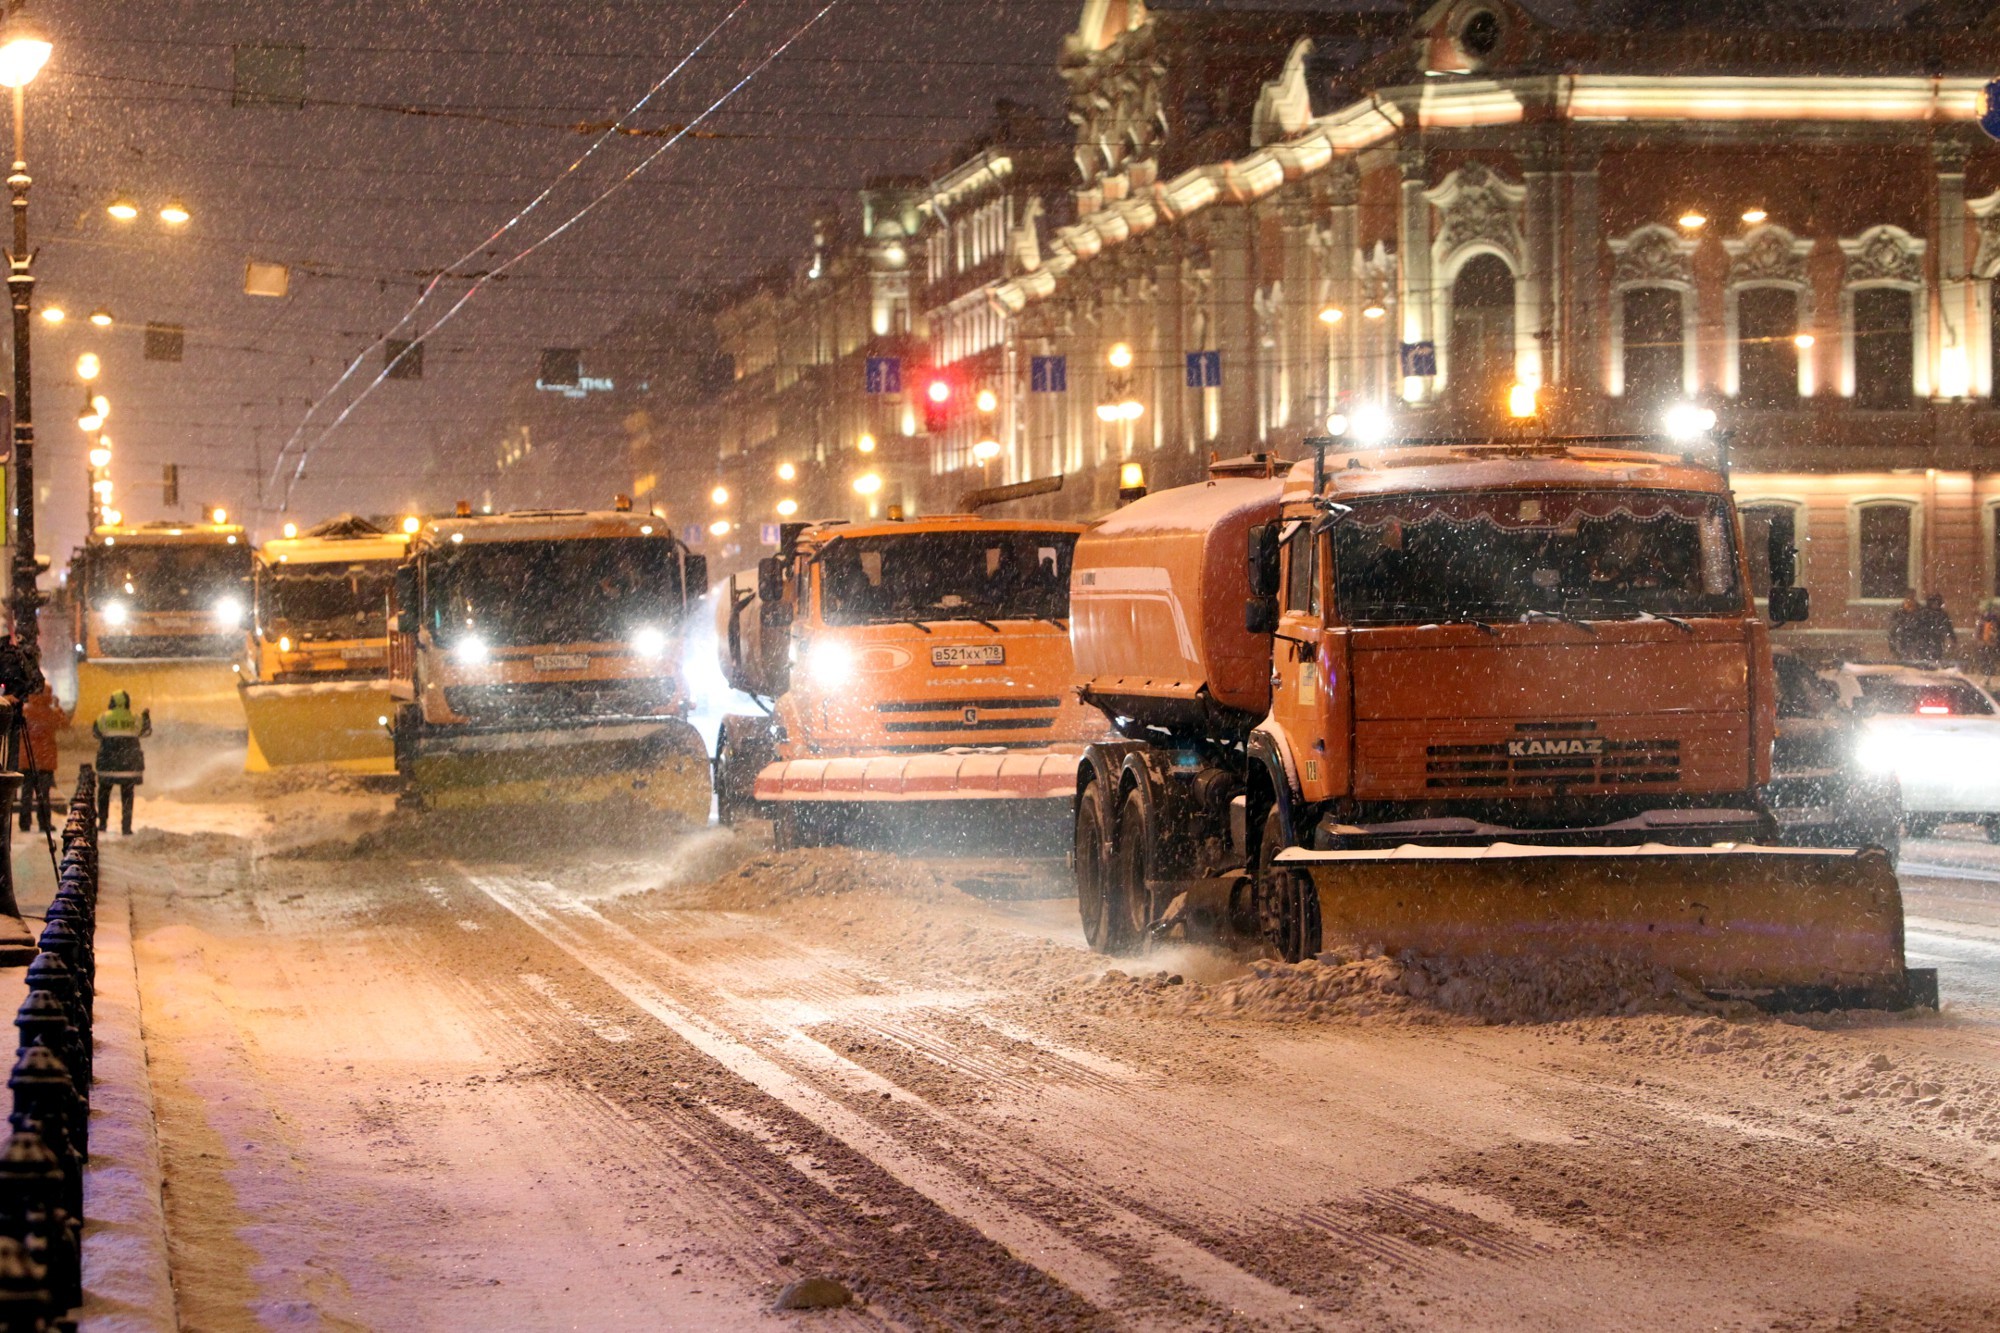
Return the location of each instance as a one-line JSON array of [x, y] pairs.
[[830, 663], [115, 614], [649, 641], [229, 612], [469, 651]]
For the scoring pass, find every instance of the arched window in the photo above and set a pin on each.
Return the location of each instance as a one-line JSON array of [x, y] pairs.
[[1652, 351], [1884, 355], [1482, 331], [1885, 547], [1767, 353]]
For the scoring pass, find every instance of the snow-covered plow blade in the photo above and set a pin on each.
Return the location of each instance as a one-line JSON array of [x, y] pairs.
[[660, 766], [181, 691], [343, 723], [1785, 927], [952, 775]]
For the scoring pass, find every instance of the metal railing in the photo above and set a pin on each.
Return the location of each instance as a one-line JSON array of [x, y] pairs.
[[41, 1167]]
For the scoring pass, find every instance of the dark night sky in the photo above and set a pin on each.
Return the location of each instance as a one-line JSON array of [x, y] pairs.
[[362, 201]]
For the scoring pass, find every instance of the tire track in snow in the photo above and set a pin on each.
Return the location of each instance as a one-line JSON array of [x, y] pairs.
[[1103, 1282]]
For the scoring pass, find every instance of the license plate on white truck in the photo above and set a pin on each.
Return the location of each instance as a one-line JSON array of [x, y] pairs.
[[968, 654], [562, 662]]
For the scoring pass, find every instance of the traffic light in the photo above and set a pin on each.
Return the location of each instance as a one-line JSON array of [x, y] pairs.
[[940, 396]]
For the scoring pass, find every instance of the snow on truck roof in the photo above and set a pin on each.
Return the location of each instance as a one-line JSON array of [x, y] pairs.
[[1475, 465], [334, 550], [821, 533], [540, 525]]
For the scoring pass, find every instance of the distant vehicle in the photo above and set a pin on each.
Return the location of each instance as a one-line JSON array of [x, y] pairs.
[[159, 611], [1820, 793], [1937, 732]]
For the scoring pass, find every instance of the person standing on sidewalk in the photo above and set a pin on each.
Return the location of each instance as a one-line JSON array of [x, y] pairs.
[[43, 717], [121, 759], [21, 679]]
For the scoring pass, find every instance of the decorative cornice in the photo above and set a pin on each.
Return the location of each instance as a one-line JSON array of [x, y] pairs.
[[1769, 254], [1884, 254], [1653, 256], [1479, 208]]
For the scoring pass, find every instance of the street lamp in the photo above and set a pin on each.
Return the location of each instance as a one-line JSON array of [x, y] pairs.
[[23, 52]]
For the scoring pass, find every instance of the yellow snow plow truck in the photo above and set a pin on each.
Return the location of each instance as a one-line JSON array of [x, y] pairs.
[[1503, 698], [316, 683], [535, 660], [911, 667], [158, 611]]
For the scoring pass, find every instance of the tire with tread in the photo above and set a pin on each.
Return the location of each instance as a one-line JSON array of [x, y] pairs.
[[1092, 865], [1287, 902]]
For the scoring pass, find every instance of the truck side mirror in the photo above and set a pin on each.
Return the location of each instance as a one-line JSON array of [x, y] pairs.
[[1264, 560], [771, 580], [774, 615], [406, 598], [695, 577], [1260, 615], [1790, 605]]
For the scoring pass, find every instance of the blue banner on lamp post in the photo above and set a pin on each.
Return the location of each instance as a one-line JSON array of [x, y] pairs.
[[1989, 110]]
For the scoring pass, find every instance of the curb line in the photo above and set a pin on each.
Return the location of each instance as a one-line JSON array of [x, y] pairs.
[[128, 1284]]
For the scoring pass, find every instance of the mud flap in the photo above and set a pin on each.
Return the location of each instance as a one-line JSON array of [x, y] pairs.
[[179, 691], [344, 724], [657, 766], [1787, 927]]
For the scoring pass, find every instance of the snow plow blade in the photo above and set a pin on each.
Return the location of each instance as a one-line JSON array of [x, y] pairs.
[[1783, 927], [660, 766], [344, 724], [970, 775], [181, 691]]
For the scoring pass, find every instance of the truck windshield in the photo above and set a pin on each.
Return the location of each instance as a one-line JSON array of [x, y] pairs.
[[191, 577], [527, 593], [1503, 555], [946, 576], [327, 601]]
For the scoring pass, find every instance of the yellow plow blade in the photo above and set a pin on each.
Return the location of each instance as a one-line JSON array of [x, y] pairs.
[[1781, 924], [339, 723], [661, 767], [185, 691]]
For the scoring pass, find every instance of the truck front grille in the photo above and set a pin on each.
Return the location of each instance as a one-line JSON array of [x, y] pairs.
[[559, 700], [909, 716], [1568, 756]]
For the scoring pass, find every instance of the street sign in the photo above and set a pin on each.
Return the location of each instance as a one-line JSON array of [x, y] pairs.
[[885, 374], [692, 534], [767, 533], [1989, 110], [1204, 370], [1420, 360], [1048, 374]]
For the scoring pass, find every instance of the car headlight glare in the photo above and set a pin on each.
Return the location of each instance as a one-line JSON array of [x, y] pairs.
[[229, 612], [114, 613], [831, 664], [649, 641], [470, 651]]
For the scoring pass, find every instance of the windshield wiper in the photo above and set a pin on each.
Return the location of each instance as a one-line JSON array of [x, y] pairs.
[[1528, 617], [912, 620], [1640, 613], [1473, 621]]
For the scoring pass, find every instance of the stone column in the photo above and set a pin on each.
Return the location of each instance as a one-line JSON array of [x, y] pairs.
[[1169, 402], [1300, 316], [1540, 294], [1343, 364], [1957, 342], [1416, 299], [1231, 242]]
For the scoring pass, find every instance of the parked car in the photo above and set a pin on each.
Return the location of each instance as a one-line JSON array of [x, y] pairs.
[[1820, 793], [1938, 732]]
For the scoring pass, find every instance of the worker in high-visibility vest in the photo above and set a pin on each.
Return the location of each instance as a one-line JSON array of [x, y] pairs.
[[121, 759]]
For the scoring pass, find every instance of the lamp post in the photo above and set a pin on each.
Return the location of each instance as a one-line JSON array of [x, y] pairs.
[[23, 52]]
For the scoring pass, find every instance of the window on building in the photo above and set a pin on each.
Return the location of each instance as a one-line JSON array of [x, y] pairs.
[[1767, 358], [1884, 355], [1884, 549], [1761, 523], [1653, 344], [1482, 332]]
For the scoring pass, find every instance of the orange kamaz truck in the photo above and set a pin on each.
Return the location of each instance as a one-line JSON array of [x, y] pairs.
[[1490, 697], [905, 665]]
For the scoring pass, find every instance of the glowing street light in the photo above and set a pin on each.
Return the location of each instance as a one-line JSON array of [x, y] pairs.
[[100, 456], [1692, 221], [988, 401], [1374, 310], [1332, 314], [868, 483], [719, 528], [23, 52], [101, 317], [1804, 342], [787, 507], [1120, 356], [88, 367], [122, 209], [174, 213], [986, 451], [719, 496], [786, 472], [1753, 216], [865, 444], [53, 314]]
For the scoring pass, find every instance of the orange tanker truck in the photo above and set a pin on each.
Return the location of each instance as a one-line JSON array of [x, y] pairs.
[[1504, 698], [906, 664]]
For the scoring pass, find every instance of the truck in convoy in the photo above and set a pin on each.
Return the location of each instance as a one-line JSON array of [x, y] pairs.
[[315, 683], [535, 660], [906, 664], [1497, 697], [158, 610]]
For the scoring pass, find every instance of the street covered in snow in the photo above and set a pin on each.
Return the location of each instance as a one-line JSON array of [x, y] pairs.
[[411, 1074]]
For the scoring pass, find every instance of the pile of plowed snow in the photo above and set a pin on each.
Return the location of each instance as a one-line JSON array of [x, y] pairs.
[[777, 878], [1415, 988]]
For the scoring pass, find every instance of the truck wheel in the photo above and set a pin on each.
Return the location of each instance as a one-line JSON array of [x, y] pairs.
[[1287, 901], [742, 748], [1128, 902], [1093, 866]]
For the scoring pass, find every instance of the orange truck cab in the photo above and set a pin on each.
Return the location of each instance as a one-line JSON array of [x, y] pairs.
[[903, 661], [535, 659], [1485, 695]]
